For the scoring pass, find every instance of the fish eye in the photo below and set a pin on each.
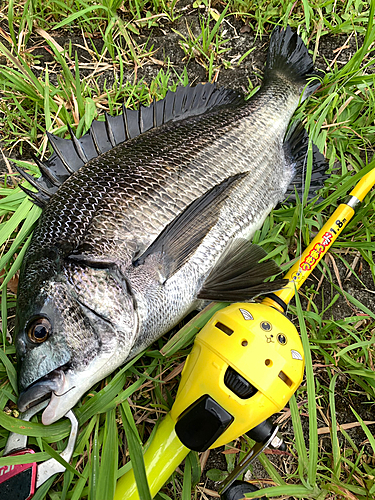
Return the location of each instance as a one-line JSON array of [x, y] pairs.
[[39, 330]]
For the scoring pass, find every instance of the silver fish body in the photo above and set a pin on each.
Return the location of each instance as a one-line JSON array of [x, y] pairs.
[[125, 247]]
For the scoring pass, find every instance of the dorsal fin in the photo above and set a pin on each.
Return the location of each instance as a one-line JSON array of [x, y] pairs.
[[71, 154]]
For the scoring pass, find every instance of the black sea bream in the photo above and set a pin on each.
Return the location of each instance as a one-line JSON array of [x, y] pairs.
[[145, 216]]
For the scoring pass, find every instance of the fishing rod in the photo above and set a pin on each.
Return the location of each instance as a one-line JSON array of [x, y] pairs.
[[245, 364]]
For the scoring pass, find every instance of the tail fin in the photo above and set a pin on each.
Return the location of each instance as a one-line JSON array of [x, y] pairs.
[[289, 59]]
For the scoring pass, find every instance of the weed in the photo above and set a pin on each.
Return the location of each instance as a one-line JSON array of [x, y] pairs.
[[209, 46]]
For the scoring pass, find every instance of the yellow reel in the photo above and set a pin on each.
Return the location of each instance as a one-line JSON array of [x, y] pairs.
[[245, 365]]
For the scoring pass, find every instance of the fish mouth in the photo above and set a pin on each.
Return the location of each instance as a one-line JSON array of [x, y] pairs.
[[64, 386], [52, 384]]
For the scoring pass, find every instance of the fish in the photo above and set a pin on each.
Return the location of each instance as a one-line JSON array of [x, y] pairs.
[[150, 214]]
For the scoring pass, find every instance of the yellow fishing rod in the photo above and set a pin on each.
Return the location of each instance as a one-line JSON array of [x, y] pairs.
[[245, 364], [322, 242]]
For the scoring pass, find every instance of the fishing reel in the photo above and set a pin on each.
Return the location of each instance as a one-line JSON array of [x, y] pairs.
[[244, 366], [246, 363]]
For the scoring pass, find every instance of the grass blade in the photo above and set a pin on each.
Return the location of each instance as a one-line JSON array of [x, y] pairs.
[[54, 454], [93, 478], [334, 438], [366, 430], [303, 461], [186, 484], [313, 425], [11, 372], [76, 15], [135, 452], [108, 465]]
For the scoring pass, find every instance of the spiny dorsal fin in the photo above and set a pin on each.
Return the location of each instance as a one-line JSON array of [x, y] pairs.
[[71, 154], [184, 234], [46, 172], [239, 276], [41, 197], [66, 152]]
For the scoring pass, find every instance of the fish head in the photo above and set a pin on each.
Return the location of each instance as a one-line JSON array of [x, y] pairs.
[[67, 339]]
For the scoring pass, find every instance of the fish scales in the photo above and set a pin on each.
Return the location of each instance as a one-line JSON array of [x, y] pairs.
[[174, 170], [131, 242], [94, 205], [100, 202]]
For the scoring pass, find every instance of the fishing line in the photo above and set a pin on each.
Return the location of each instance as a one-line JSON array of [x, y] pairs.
[[63, 394]]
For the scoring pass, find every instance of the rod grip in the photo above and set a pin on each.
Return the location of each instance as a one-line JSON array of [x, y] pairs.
[[161, 458]]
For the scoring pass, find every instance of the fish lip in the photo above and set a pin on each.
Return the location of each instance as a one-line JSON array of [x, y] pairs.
[[43, 388]]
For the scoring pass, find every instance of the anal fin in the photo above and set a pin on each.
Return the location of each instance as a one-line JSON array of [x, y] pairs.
[[239, 276], [296, 152]]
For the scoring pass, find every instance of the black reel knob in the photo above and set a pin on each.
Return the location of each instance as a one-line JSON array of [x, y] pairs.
[[238, 491], [262, 432]]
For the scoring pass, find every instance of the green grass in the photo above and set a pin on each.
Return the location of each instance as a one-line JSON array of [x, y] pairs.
[[208, 47], [118, 415]]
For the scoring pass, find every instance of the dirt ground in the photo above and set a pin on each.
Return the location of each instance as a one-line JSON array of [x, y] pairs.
[[165, 42]]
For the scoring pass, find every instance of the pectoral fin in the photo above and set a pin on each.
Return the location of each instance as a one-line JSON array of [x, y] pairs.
[[180, 239]]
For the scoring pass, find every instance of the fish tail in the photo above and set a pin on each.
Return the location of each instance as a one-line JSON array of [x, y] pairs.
[[288, 59]]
